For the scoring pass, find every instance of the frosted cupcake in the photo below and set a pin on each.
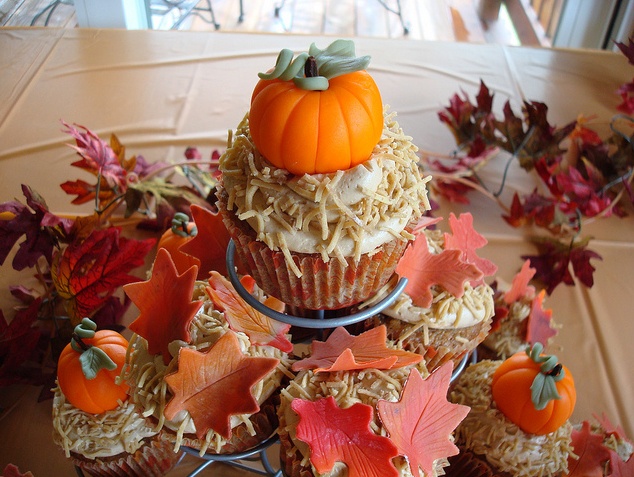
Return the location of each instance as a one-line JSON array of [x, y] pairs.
[[201, 339], [447, 308], [360, 406], [319, 189], [94, 422]]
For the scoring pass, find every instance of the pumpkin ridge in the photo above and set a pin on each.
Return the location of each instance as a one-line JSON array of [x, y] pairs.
[[274, 90], [367, 107], [297, 109]]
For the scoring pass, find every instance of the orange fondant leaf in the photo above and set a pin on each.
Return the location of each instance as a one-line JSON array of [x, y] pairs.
[[520, 287], [345, 352], [344, 435], [538, 328], [216, 384], [465, 238], [591, 452], [424, 269], [240, 316], [165, 305], [422, 421], [210, 243]]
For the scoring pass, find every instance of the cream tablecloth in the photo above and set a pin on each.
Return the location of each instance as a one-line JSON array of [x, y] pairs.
[[163, 91]]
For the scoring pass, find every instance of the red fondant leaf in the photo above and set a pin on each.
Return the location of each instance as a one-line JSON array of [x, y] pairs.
[[421, 422], [424, 269], [344, 435], [260, 329], [620, 468], [165, 305], [520, 287], [466, 239], [610, 428], [210, 244], [344, 352], [591, 451], [215, 385], [538, 328]]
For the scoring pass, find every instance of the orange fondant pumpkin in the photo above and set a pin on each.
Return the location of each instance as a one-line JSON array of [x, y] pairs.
[[181, 232], [511, 389], [101, 393], [317, 131]]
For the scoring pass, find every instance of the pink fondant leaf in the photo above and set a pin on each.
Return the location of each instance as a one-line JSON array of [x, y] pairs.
[[538, 328], [520, 287]]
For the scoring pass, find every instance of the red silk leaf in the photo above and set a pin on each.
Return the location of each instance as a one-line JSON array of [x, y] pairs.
[[241, 316], [210, 244], [465, 238], [538, 329], [165, 305], [221, 374], [91, 270], [591, 451], [424, 270], [520, 287], [422, 421], [344, 435], [344, 352]]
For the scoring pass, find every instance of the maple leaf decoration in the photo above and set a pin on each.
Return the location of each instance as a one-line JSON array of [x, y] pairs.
[[216, 384], [424, 269], [465, 238], [344, 435], [261, 329], [89, 271], [165, 305], [520, 287], [345, 352], [210, 244], [538, 328], [591, 452], [421, 422]]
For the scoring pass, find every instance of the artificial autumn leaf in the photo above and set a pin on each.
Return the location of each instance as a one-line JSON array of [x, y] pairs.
[[538, 328], [18, 339], [210, 244], [627, 50], [424, 269], [89, 271], [216, 384], [344, 352], [591, 452], [261, 329], [535, 208], [465, 238], [422, 421], [520, 287], [343, 435], [165, 305]]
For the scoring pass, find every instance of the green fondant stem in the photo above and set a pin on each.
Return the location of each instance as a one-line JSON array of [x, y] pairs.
[[544, 387], [180, 221], [92, 359]]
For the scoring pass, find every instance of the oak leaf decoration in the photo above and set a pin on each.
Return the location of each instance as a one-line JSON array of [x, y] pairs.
[[165, 305], [592, 454], [539, 321], [216, 384], [520, 287]]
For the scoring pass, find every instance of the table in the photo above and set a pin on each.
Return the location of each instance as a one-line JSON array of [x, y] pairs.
[[161, 92]]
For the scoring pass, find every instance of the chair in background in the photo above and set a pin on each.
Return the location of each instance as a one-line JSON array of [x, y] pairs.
[[50, 8], [182, 9]]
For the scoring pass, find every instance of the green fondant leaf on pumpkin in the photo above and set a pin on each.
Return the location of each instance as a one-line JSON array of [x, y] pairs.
[[94, 360]]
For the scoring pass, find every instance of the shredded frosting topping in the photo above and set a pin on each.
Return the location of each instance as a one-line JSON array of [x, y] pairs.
[[487, 432], [341, 214]]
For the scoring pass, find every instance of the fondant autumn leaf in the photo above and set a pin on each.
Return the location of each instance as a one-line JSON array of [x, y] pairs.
[[261, 329], [538, 328], [606, 424], [520, 287], [424, 270], [592, 454], [210, 244], [344, 352], [344, 435], [619, 467], [421, 422], [216, 384], [165, 305], [465, 238]]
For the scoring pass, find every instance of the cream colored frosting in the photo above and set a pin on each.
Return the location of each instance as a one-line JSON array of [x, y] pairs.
[[98, 435], [342, 214], [145, 374], [487, 432]]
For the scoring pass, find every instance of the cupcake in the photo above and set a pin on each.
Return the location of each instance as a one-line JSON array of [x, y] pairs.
[[520, 318], [320, 190], [360, 406], [95, 424], [203, 364], [446, 308], [518, 425]]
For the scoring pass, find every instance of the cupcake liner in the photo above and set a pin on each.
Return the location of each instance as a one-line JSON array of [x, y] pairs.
[[468, 464], [154, 459], [323, 285]]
